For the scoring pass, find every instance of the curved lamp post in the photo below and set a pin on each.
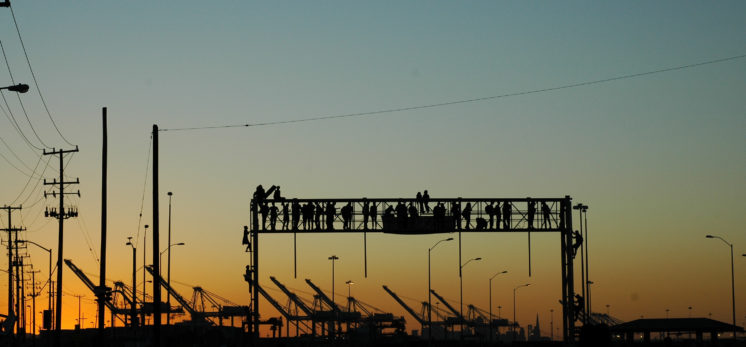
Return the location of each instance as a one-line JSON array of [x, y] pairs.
[[514, 290], [461, 285], [490, 322], [732, 281], [429, 288]]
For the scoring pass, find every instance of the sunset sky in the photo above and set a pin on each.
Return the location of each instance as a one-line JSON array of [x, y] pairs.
[[660, 159]]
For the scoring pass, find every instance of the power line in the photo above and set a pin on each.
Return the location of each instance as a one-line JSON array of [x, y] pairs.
[[14, 154], [464, 101], [19, 98], [33, 75], [30, 177], [144, 186], [14, 122]]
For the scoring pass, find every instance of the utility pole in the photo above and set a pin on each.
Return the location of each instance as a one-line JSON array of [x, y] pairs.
[[156, 245], [11, 229], [34, 294], [61, 215], [103, 292]]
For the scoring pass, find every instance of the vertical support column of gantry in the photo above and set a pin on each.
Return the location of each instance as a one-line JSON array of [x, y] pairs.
[[568, 288], [254, 319]]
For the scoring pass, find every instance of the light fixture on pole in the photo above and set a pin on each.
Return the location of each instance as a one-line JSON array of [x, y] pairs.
[[461, 290], [49, 281], [514, 309], [333, 258], [168, 304], [133, 318], [732, 282], [429, 288], [168, 294], [349, 284], [144, 263], [18, 88], [490, 322]]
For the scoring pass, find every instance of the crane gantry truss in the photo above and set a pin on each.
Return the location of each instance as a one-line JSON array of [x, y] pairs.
[[417, 216]]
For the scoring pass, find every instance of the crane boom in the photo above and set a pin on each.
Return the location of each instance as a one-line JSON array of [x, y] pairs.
[[298, 302], [453, 310], [323, 296], [88, 283], [406, 307], [196, 316], [276, 304]]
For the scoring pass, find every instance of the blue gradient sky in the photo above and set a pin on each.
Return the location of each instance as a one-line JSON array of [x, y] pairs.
[[660, 159]]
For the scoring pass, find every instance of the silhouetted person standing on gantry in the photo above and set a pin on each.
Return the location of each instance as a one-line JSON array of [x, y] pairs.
[[308, 216], [273, 216], [467, 215], [439, 214], [456, 213], [496, 210], [318, 211], [578, 242], [285, 216], [259, 195], [507, 211], [546, 222], [401, 214], [413, 214], [366, 213], [388, 218], [265, 213], [304, 216], [426, 200], [374, 215], [531, 213], [311, 211], [330, 212], [418, 200], [295, 211], [490, 210], [346, 212]]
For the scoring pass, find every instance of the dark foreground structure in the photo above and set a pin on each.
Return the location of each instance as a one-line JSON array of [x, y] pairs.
[[642, 330]]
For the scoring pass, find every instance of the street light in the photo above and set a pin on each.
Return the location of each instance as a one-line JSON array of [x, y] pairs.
[[49, 281], [461, 285], [551, 324], [514, 290], [493, 276], [168, 300], [349, 283], [168, 294], [732, 282], [160, 256], [333, 258], [18, 88], [429, 295], [144, 263], [133, 319], [590, 310]]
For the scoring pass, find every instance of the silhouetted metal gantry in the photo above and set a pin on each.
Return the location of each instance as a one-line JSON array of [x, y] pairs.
[[416, 216]]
